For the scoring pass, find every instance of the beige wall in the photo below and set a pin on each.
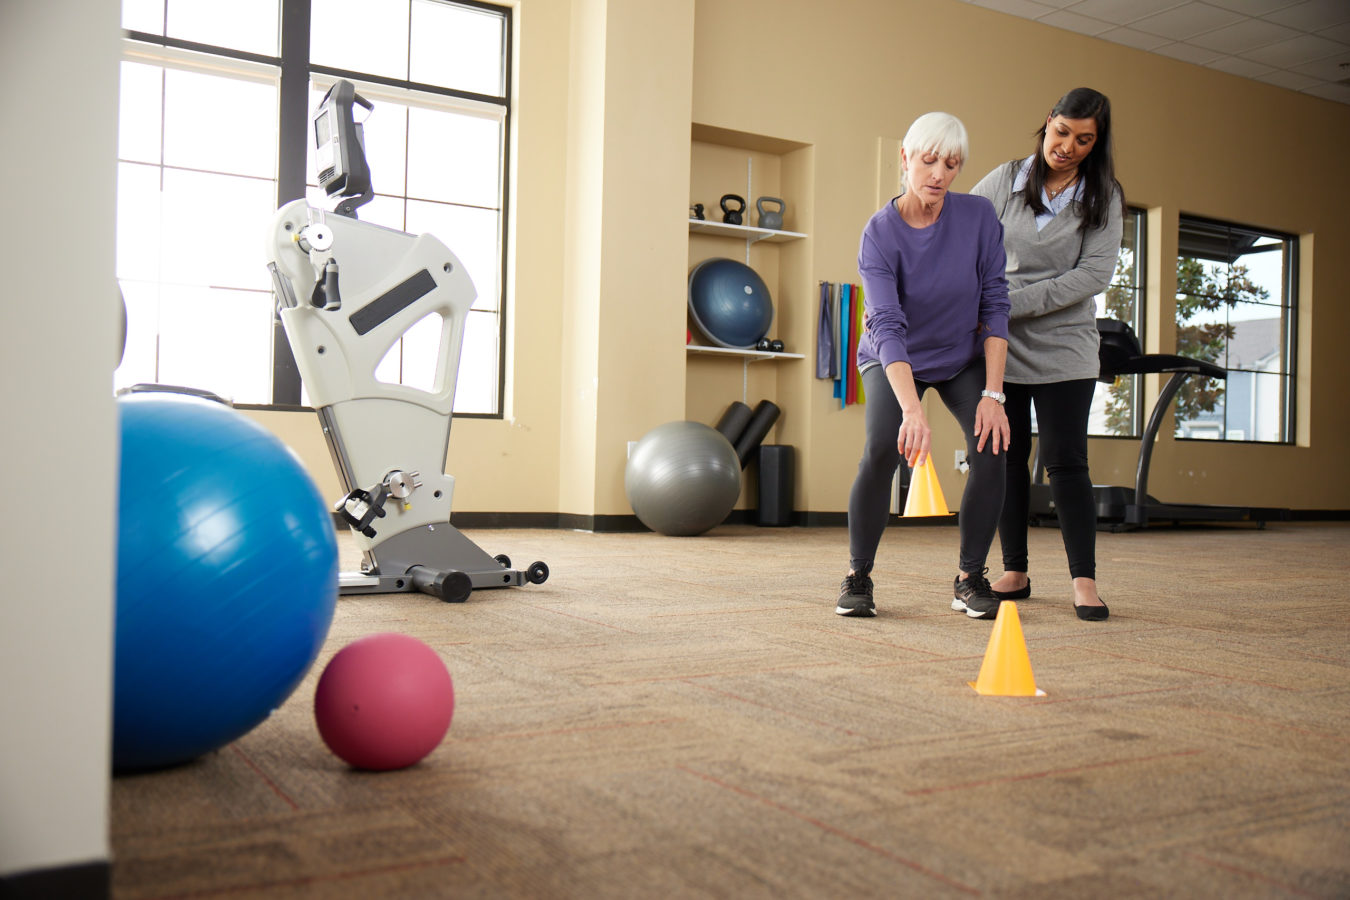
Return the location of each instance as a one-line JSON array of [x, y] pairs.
[[606, 94]]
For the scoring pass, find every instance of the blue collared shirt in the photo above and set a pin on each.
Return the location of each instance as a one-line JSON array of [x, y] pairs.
[[1053, 207]]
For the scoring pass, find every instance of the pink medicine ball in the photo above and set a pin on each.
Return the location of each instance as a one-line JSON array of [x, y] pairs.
[[384, 702]]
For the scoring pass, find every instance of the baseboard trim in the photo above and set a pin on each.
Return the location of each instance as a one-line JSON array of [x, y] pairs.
[[610, 524], [83, 881], [1319, 515]]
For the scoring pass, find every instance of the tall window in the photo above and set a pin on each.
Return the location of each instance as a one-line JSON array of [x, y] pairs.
[[1115, 407], [1236, 288], [206, 156]]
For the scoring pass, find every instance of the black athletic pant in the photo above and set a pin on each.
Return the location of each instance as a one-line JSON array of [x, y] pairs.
[[1061, 420], [869, 501]]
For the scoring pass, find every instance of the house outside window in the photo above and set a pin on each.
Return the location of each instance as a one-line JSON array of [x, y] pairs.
[[1236, 290]]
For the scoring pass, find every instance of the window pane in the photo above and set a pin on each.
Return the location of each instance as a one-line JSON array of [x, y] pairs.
[[476, 390], [1256, 405], [139, 123], [1256, 339], [220, 124], [472, 235], [458, 47], [252, 26], [387, 211], [454, 157], [412, 360], [421, 352], [360, 36], [1200, 408], [1115, 407], [139, 238], [143, 15], [198, 167], [217, 339], [214, 226], [1234, 308]]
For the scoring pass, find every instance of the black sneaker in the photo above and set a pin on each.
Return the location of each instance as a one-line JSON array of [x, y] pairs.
[[855, 596], [974, 597]]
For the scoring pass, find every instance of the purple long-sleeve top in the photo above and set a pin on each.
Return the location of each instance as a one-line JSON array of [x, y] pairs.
[[932, 295]]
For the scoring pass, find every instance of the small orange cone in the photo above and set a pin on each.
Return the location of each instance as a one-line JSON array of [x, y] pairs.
[[1006, 671], [925, 494]]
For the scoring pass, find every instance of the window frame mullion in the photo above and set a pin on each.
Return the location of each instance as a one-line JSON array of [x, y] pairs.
[[292, 159]]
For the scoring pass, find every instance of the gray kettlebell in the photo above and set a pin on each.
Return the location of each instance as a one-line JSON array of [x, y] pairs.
[[772, 219]]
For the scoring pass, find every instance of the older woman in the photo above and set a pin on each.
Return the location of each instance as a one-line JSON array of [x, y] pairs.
[[935, 315], [1061, 209]]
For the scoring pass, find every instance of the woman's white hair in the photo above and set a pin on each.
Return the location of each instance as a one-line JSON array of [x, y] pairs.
[[940, 133]]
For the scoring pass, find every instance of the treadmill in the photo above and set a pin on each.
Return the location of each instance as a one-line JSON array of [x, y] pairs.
[[1120, 508]]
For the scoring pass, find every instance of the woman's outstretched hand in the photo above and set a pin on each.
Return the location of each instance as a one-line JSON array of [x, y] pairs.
[[991, 424]]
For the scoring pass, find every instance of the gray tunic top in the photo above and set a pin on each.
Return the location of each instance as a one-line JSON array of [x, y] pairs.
[[1053, 275]]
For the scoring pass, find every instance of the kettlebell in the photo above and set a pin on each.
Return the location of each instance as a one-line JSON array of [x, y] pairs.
[[696, 211], [772, 219], [732, 216]]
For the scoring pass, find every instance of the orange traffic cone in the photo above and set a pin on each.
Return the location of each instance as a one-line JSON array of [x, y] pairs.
[[925, 493], [1006, 671]]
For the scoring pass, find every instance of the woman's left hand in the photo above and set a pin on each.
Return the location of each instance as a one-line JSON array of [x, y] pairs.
[[991, 424]]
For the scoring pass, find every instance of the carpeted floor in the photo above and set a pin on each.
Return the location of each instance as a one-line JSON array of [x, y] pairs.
[[687, 717]]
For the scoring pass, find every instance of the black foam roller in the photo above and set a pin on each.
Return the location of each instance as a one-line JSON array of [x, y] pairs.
[[733, 421], [776, 470], [765, 414]]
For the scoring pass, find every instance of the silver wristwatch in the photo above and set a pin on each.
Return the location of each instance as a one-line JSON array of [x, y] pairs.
[[995, 395]]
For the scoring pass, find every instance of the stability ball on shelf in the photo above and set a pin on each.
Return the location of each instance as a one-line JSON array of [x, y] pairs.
[[226, 578], [729, 303], [682, 478]]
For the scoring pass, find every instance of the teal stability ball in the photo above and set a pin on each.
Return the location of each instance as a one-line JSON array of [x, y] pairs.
[[226, 578]]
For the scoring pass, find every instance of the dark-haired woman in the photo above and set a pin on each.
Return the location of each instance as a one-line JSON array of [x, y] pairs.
[[1062, 211]]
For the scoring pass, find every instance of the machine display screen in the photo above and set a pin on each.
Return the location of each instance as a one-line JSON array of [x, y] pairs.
[[323, 129]]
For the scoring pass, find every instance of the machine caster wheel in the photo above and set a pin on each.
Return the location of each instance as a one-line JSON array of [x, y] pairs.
[[537, 573], [503, 560]]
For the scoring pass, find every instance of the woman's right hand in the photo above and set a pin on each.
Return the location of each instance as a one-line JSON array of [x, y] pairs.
[[915, 436]]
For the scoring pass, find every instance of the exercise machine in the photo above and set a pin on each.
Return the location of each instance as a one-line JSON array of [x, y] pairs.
[[346, 291], [1126, 509]]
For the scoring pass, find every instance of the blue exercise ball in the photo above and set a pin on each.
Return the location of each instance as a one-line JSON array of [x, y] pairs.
[[226, 578], [729, 303], [682, 478]]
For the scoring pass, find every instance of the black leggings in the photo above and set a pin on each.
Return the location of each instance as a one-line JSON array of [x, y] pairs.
[[1061, 419], [870, 499]]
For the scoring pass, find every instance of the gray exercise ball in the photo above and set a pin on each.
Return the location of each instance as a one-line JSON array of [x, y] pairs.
[[682, 478]]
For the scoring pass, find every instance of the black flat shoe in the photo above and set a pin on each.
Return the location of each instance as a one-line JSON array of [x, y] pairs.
[[1093, 613], [1021, 593]]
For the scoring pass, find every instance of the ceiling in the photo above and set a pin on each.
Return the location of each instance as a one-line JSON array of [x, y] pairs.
[[1301, 45]]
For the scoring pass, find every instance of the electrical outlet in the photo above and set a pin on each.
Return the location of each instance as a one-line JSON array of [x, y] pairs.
[[961, 465]]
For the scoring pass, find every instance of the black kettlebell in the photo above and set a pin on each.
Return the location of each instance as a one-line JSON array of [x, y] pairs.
[[776, 345], [732, 216], [696, 211], [763, 345]]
